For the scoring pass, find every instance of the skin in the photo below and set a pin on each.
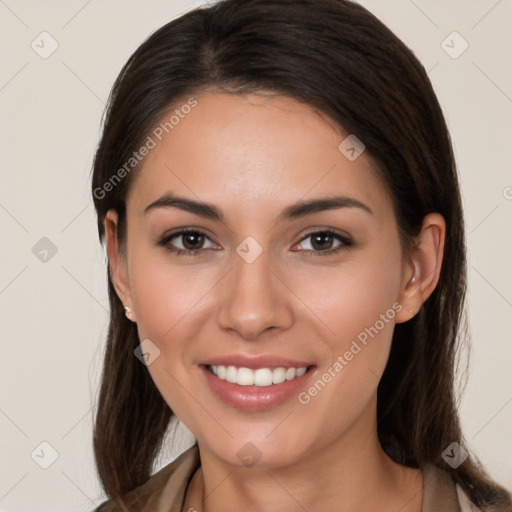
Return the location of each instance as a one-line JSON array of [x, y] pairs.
[[252, 156]]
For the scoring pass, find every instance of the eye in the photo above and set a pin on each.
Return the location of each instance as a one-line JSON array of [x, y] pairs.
[[324, 242], [192, 242], [187, 241]]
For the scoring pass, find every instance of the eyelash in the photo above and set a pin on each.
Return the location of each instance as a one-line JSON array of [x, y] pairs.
[[346, 243]]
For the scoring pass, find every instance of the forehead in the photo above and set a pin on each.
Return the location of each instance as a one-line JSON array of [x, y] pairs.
[[252, 151]]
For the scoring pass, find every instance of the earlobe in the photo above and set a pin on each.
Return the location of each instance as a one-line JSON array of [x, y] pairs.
[[422, 271], [117, 263], [129, 313]]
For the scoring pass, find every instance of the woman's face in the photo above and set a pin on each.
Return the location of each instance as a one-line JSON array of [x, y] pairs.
[[273, 278]]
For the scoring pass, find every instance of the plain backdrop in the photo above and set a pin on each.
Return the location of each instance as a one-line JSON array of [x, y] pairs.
[[52, 275]]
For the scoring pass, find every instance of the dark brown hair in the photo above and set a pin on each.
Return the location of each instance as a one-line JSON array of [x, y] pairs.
[[338, 58]]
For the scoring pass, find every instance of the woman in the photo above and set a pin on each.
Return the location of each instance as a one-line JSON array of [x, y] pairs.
[[277, 192]]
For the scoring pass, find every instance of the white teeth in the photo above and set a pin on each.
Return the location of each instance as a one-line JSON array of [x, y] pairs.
[[290, 373], [278, 375], [262, 377], [221, 372], [245, 377], [231, 374]]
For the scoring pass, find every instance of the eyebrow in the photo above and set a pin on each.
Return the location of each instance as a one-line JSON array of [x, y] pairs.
[[295, 211]]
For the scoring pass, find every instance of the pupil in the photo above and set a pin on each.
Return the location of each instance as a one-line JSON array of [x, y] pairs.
[[322, 241], [191, 240]]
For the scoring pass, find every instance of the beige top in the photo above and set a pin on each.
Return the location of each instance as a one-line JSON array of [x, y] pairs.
[[165, 491]]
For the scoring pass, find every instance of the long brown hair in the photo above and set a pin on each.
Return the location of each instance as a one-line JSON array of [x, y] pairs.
[[337, 57]]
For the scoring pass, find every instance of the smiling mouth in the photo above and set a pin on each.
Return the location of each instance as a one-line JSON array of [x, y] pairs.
[[262, 377]]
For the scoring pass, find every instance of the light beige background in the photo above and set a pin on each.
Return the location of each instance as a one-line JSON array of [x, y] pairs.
[[54, 313]]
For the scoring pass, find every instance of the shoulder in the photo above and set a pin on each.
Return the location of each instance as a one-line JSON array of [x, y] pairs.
[[441, 492], [465, 503], [167, 486]]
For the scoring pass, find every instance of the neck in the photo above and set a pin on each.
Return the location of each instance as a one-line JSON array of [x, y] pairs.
[[342, 476]]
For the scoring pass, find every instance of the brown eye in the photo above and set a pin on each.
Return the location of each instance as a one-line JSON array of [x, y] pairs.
[[187, 242], [324, 242], [192, 241]]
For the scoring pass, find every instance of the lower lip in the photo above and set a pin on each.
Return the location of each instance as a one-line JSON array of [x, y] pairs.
[[255, 398]]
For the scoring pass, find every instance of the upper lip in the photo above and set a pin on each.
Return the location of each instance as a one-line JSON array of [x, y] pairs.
[[254, 362]]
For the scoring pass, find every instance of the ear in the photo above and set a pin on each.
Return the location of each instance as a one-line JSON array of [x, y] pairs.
[[117, 262], [421, 272]]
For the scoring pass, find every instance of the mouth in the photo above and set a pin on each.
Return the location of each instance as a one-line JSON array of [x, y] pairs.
[[256, 389], [262, 377]]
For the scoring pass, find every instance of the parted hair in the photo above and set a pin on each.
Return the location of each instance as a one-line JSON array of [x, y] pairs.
[[335, 56]]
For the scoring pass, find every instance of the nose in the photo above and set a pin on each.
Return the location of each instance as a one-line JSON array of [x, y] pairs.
[[254, 300]]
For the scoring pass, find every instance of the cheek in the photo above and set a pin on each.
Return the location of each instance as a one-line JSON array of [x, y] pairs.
[[166, 296], [167, 299], [352, 297], [358, 305]]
